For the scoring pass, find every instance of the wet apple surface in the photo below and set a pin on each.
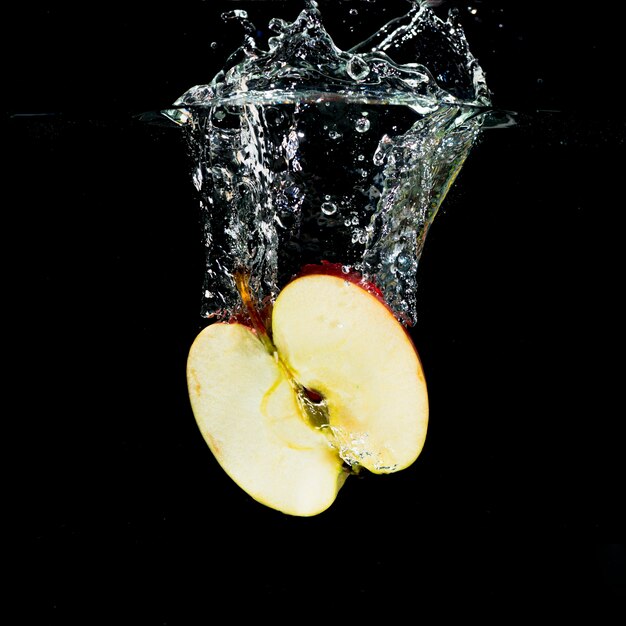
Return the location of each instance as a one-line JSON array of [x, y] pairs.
[[339, 386]]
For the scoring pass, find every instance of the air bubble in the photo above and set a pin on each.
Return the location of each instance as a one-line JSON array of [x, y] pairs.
[[274, 116], [403, 262], [358, 236], [362, 125], [357, 68], [329, 208]]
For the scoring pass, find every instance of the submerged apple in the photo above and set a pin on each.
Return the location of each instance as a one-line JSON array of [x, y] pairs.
[[332, 384]]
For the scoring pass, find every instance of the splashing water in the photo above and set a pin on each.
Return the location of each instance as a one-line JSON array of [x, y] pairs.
[[305, 152]]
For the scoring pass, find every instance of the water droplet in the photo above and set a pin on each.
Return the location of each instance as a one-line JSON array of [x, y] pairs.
[[291, 145], [214, 45], [333, 134], [361, 157], [345, 269], [277, 25], [357, 68], [293, 192], [353, 12], [403, 262], [329, 208], [197, 178], [362, 125], [383, 149]]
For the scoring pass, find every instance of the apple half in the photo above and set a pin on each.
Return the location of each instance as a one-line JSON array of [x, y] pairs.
[[331, 385]]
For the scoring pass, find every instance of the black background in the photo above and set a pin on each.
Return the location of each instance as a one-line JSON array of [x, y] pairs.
[[122, 511]]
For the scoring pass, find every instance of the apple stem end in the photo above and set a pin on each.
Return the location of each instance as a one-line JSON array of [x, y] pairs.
[[242, 281]]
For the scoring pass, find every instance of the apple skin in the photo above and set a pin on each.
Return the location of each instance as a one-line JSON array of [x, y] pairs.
[[334, 349]]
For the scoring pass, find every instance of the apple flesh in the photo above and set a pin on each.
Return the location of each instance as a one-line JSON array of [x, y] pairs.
[[335, 384]]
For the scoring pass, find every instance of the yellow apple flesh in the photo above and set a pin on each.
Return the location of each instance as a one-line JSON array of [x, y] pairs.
[[330, 336], [341, 341], [249, 416]]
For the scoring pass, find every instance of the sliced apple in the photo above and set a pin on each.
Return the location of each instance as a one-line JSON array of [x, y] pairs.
[[336, 383]]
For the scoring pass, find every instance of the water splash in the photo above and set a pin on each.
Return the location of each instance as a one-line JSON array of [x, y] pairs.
[[305, 152]]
